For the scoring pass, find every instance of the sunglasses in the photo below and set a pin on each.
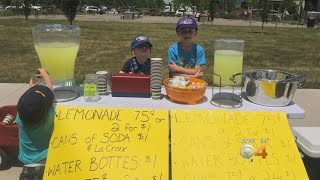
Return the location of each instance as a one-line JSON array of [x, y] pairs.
[[187, 31], [144, 45]]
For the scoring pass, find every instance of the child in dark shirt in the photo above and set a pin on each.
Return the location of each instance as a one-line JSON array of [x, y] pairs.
[[140, 63]]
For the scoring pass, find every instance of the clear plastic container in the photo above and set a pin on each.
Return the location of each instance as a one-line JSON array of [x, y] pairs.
[[228, 62], [90, 90], [57, 46]]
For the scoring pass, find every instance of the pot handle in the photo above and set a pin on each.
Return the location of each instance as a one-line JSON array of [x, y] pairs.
[[301, 79]]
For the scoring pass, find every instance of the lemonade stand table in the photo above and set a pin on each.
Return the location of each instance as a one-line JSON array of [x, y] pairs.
[[176, 116], [199, 127], [293, 110]]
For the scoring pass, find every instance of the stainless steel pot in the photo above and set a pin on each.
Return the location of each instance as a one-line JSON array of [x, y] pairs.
[[271, 87]]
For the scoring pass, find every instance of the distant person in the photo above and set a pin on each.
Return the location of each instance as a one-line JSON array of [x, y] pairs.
[[36, 14], [245, 15], [35, 121], [140, 62], [198, 15], [186, 58]]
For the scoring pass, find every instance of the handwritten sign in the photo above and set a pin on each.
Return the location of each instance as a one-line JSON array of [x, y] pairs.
[[93, 143], [227, 145]]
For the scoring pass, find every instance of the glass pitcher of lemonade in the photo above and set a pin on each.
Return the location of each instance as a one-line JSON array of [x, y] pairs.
[[57, 46], [228, 62]]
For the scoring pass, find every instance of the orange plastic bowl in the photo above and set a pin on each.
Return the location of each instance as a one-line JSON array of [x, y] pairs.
[[185, 95]]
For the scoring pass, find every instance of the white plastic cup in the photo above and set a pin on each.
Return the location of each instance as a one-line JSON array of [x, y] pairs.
[[156, 73], [156, 93], [9, 119]]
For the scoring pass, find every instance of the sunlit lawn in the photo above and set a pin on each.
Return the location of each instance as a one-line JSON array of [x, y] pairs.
[[106, 46]]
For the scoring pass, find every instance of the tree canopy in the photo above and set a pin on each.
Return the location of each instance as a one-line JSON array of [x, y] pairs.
[[69, 7]]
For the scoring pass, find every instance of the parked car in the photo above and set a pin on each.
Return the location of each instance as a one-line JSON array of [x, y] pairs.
[[180, 12], [37, 7], [113, 11], [92, 9], [10, 7], [154, 12]]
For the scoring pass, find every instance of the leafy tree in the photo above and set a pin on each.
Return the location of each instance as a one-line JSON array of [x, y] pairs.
[[177, 3], [309, 6], [230, 6], [264, 7], [5, 2], [288, 5], [93, 2], [26, 8], [69, 7], [201, 5], [159, 4], [212, 6]]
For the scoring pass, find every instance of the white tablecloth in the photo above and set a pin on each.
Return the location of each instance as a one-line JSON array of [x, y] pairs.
[[293, 110]]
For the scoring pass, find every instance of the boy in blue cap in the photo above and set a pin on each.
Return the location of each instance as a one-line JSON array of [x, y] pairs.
[[140, 63], [185, 57], [35, 121]]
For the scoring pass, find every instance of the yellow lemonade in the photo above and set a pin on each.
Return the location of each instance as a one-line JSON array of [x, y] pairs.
[[226, 64], [58, 59]]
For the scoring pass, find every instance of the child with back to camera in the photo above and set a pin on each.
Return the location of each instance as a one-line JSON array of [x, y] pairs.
[[140, 63], [186, 58], [35, 121]]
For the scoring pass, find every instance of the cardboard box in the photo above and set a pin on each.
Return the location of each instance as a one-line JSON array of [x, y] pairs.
[[130, 85]]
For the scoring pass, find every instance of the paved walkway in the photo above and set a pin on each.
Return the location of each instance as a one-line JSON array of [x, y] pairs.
[[308, 99], [157, 19]]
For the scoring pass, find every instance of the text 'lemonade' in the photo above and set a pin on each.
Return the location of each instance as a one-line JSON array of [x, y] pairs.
[[226, 64], [58, 59]]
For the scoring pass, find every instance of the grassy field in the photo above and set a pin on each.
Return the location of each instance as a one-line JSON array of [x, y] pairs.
[[106, 46]]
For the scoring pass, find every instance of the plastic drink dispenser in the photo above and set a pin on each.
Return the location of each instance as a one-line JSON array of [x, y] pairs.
[[228, 62], [57, 46]]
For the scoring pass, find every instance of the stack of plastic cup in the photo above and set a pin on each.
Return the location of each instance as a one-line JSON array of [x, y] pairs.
[[102, 82], [9, 119], [156, 77]]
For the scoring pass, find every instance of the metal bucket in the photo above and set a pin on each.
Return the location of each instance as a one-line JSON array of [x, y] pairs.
[[271, 87]]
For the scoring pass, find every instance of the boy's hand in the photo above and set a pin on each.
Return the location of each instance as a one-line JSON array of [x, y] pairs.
[[41, 73], [198, 74], [173, 67]]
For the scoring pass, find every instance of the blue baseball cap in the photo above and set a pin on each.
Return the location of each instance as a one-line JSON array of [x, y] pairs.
[[186, 22], [139, 40]]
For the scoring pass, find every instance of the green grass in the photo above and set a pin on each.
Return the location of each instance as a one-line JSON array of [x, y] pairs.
[[106, 46]]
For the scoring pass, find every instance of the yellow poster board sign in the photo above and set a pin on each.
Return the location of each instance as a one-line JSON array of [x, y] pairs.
[[93, 143], [233, 145]]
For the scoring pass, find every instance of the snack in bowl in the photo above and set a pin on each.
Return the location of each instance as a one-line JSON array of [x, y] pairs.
[[184, 89]]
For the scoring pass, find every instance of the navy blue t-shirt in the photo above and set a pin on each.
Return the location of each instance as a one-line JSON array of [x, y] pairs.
[[132, 65]]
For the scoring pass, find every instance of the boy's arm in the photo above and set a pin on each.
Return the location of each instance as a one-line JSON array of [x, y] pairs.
[[173, 67], [42, 73], [198, 73], [46, 78]]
